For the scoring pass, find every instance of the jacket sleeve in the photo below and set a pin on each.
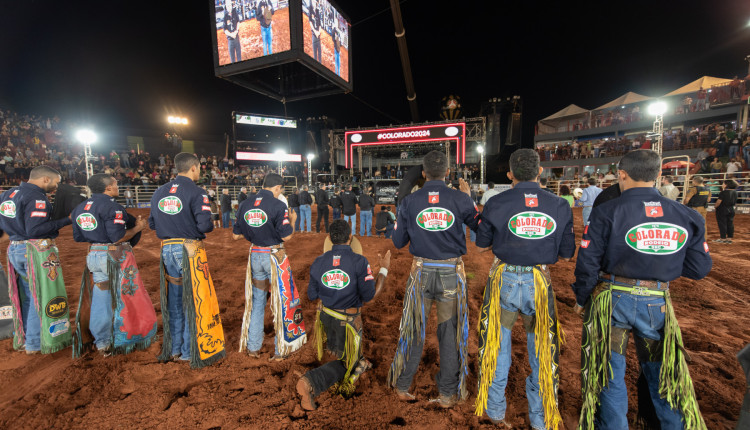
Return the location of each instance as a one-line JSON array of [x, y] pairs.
[[365, 281], [115, 226], [400, 234], [314, 284], [201, 213], [568, 243], [590, 254], [281, 223], [486, 231], [41, 226], [471, 215], [697, 261]]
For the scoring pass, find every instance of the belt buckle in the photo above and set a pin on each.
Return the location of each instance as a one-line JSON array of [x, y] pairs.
[[640, 291]]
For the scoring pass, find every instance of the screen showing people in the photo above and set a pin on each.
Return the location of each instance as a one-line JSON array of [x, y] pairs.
[[247, 29], [326, 36]]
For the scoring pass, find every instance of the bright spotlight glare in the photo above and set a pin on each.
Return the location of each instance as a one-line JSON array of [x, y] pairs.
[[280, 152], [86, 136], [170, 119], [184, 121], [310, 156], [480, 149], [657, 108]]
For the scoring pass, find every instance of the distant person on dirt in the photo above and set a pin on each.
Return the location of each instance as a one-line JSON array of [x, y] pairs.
[[698, 197], [232, 31], [349, 207], [264, 15], [113, 321], [226, 208], [491, 192], [634, 246], [343, 281], [335, 203], [725, 211], [429, 220], [305, 200], [294, 206], [384, 222], [265, 223], [366, 206], [529, 230], [242, 196], [181, 217], [25, 214], [321, 199], [590, 194]]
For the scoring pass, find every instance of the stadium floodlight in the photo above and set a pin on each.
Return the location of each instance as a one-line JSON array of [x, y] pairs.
[[87, 137], [480, 150], [280, 153], [657, 108], [177, 120]]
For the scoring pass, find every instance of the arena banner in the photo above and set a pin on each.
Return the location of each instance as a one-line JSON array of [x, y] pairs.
[[423, 133]]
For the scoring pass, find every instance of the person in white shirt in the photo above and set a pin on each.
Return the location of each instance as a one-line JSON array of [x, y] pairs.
[[491, 191], [733, 167], [668, 189]]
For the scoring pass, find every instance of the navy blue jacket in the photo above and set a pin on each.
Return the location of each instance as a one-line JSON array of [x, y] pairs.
[[641, 235], [25, 213], [341, 279], [180, 210], [99, 220], [431, 219], [264, 221], [527, 226]]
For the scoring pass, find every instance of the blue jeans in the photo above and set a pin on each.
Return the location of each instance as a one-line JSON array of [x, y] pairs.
[[29, 316], [306, 217], [100, 322], [129, 203], [353, 219], [178, 324], [517, 295], [226, 219], [388, 231], [235, 50], [267, 36], [261, 266], [733, 150], [644, 317], [336, 213], [586, 215], [296, 221], [365, 222], [337, 61], [472, 234]]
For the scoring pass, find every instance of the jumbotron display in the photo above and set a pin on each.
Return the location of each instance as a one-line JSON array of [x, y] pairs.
[[258, 137], [247, 29], [326, 36]]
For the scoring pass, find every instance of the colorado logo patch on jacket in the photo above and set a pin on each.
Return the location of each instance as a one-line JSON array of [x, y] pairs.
[[660, 239], [435, 219], [532, 225]]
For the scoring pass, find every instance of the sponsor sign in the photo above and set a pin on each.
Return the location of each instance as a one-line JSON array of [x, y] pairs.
[[656, 238], [255, 217], [144, 205], [435, 219], [170, 205], [87, 221], [532, 225], [335, 279], [8, 209]]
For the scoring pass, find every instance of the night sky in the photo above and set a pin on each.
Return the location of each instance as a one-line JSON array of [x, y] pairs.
[[127, 64]]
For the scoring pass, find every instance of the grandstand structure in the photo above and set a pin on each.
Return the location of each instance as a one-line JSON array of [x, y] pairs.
[[707, 100]]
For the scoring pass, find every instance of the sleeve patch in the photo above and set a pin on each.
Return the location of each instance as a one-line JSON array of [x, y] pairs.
[[38, 214], [119, 221], [705, 246], [585, 243], [285, 222], [369, 278], [206, 208]]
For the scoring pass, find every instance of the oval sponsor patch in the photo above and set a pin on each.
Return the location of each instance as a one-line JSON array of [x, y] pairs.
[[56, 307], [255, 217], [335, 279], [532, 225], [86, 221], [435, 219], [8, 209], [170, 205], [57, 328], [656, 238]]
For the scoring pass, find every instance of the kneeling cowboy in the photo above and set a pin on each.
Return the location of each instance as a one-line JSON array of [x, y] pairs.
[[264, 221], [343, 281], [528, 229], [181, 216], [634, 246], [128, 321]]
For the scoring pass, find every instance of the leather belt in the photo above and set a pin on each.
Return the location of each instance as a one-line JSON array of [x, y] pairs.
[[18, 242], [267, 249], [630, 282], [523, 269], [105, 246], [176, 241]]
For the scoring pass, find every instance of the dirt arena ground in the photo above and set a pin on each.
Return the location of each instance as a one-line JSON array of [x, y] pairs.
[[134, 391], [250, 39]]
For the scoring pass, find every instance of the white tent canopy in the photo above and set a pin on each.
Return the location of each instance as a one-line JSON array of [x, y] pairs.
[[625, 99], [571, 110], [705, 82]]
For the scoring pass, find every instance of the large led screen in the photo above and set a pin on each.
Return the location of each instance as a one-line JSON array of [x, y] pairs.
[[258, 137], [247, 29], [326, 36]]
